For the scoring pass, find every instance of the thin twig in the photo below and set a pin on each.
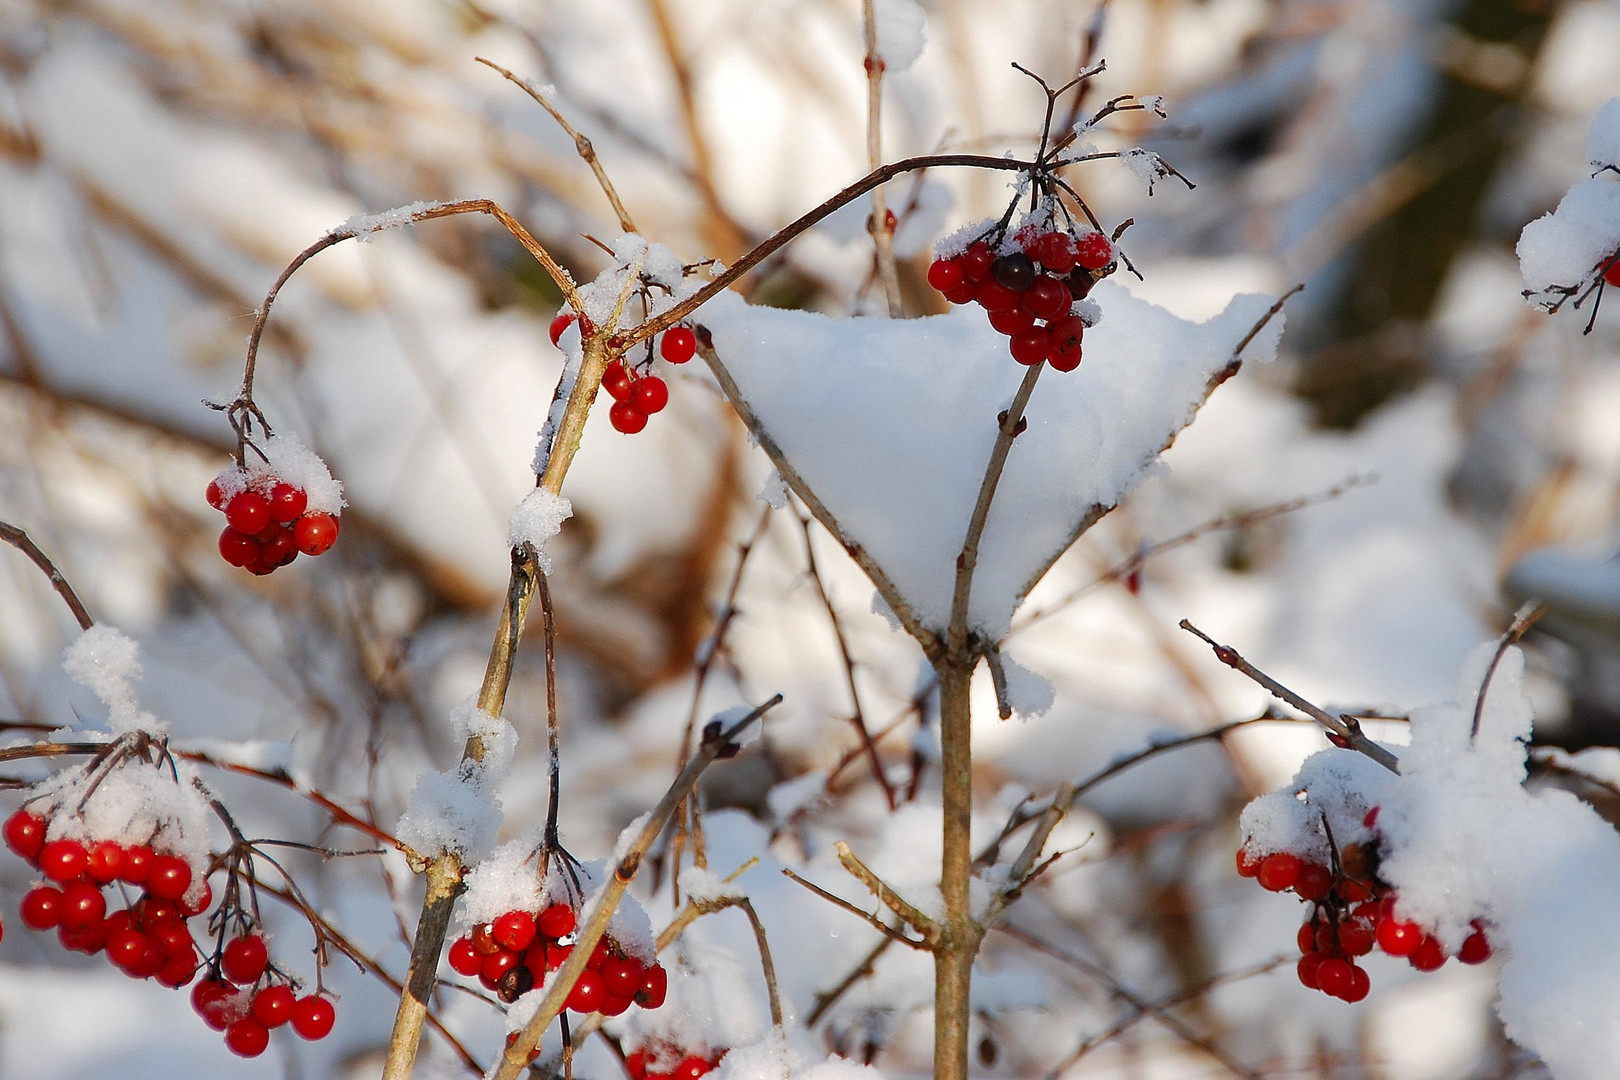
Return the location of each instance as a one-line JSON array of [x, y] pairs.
[[858, 715], [582, 144], [1527, 616], [20, 540], [889, 932], [1344, 730], [878, 223], [865, 969]]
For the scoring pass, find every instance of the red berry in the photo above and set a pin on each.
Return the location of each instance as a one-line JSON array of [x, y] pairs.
[[1360, 984], [965, 293], [588, 993], [81, 908], [1306, 969], [1031, 347], [88, 941], [1066, 360], [273, 1006], [216, 1002], [976, 262], [237, 548], [614, 1004], [483, 940], [1046, 298], [175, 939], [1067, 332], [464, 959], [179, 971], [654, 986], [600, 955], [1093, 251], [1398, 937], [247, 1037], [1371, 819], [560, 324], [616, 381], [215, 497], [678, 345], [1015, 271], [248, 512], [690, 1068], [1056, 252], [556, 921], [189, 908], [636, 1065], [946, 274], [1333, 977], [41, 907], [1476, 947], [63, 860], [626, 418], [1279, 871], [244, 959], [1306, 938], [650, 395], [169, 878], [106, 861], [25, 834], [1356, 937], [1611, 273], [138, 860], [497, 964], [287, 503], [1315, 881], [316, 533], [1428, 955], [515, 930], [313, 1017], [1247, 865], [126, 948], [1012, 322], [622, 977], [995, 297]]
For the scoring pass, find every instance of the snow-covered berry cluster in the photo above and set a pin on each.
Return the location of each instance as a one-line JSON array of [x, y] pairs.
[[244, 996], [513, 953], [1031, 283], [667, 1061], [149, 939], [276, 508], [1352, 910], [636, 392]]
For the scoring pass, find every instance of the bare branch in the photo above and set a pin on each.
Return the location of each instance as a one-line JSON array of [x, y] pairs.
[[20, 540]]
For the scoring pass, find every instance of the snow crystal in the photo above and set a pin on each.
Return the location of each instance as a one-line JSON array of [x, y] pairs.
[[286, 459], [1603, 140], [1562, 250], [107, 663], [363, 226], [459, 810], [700, 886], [890, 423], [537, 519], [900, 32], [774, 492]]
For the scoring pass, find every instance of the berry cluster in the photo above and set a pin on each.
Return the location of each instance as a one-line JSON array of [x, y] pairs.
[[1352, 911], [150, 939], [511, 955], [637, 396], [244, 997], [1030, 288], [665, 1061], [268, 521]]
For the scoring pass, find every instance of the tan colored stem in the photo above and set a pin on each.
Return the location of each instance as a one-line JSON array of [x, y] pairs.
[[959, 936], [878, 223]]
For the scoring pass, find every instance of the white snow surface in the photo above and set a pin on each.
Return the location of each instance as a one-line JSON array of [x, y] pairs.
[[829, 392], [459, 810], [108, 664], [364, 226], [537, 521], [901, 32], [1603, 140], [1561, 250]]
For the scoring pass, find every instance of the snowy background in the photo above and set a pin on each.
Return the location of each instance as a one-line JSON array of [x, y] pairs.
[[160, 162]]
